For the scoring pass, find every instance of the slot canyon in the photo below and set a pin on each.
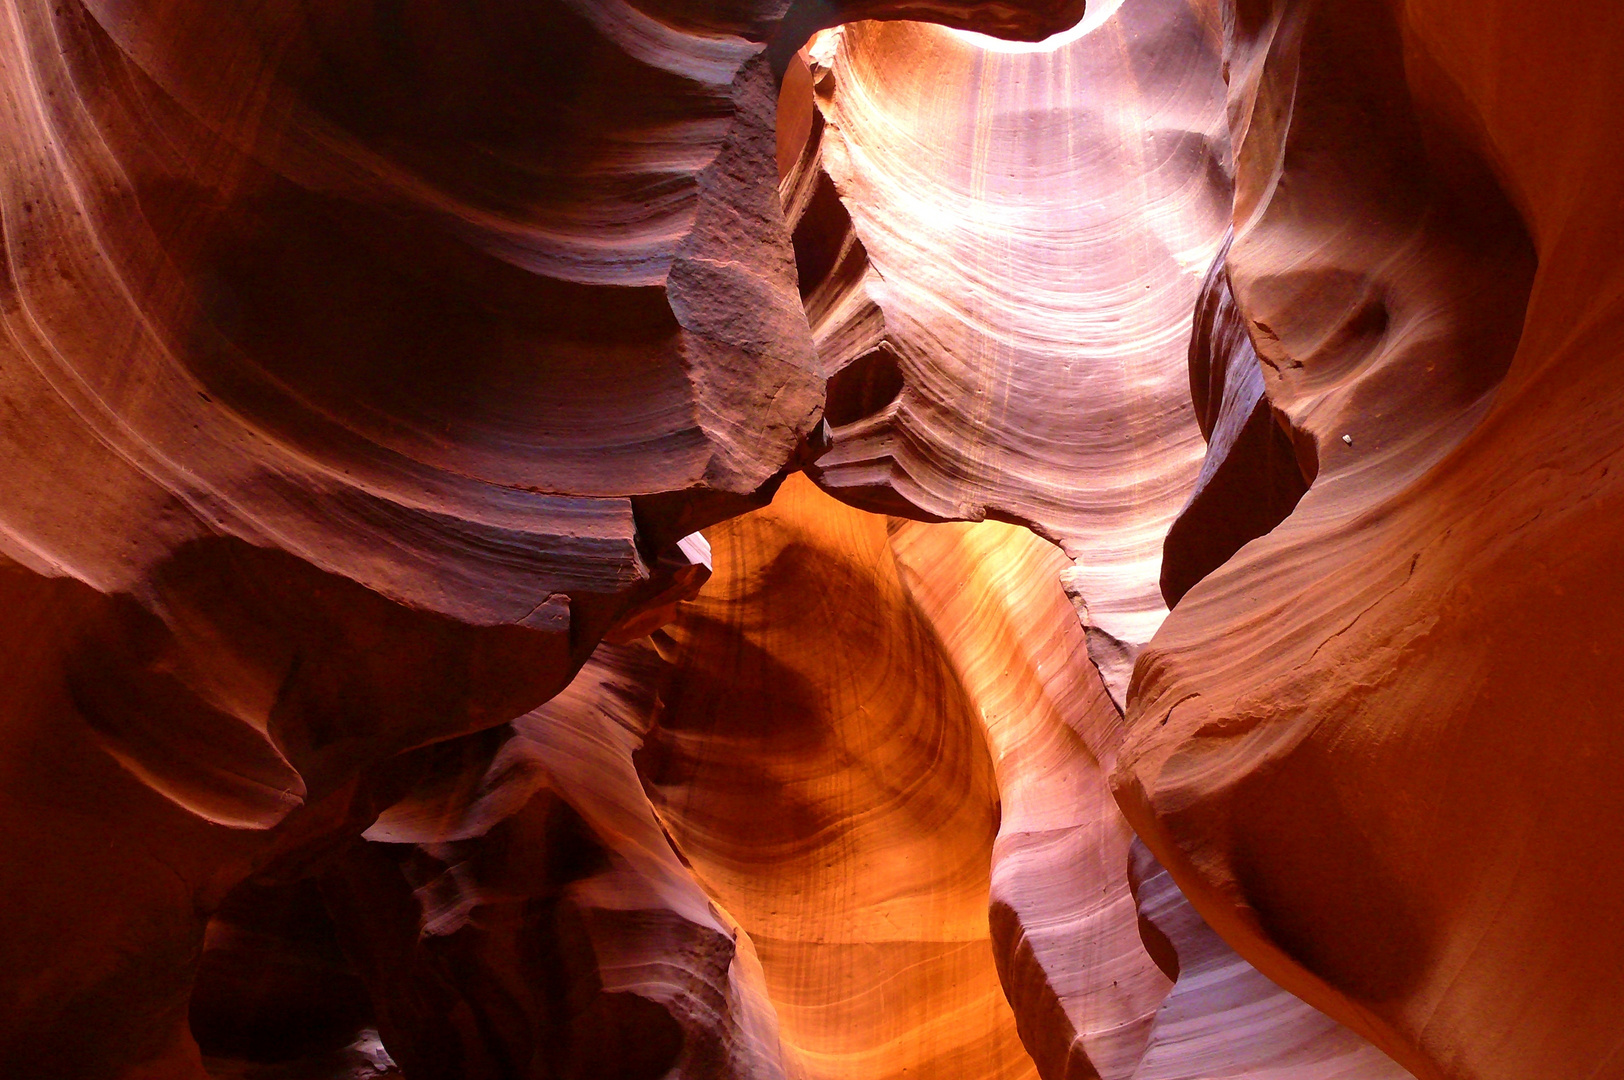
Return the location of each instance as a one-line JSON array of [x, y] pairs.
[[811, 540]]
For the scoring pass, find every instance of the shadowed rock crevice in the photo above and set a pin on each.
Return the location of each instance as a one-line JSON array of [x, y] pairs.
[[1251, 478]]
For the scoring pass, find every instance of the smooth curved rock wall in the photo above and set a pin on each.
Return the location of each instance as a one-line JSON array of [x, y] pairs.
[[1005, 329], [363, 366], [1339, 744], [370, 370]]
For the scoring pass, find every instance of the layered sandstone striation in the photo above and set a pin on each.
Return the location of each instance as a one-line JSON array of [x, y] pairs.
[[1187, 655], [821, 768], [1081, 190], [1335, 748], [363, 367], [1000, 251]]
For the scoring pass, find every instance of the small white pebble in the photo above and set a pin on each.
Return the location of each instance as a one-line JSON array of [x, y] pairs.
[[1348, 439]]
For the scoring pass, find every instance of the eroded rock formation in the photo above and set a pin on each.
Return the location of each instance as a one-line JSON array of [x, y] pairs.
[[1335, 747], [365, 366], [974, 226], [408, 676]]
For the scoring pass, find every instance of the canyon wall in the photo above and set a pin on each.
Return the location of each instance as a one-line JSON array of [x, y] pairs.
[[1340, 747], [1185, 656]]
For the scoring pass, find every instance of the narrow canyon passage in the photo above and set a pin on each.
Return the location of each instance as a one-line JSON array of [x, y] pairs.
[[811, 540], [819, 765], [846, 815], [876, 747]]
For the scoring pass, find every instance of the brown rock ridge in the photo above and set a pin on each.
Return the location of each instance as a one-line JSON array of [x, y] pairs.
[[1339, 745], [363, 366]]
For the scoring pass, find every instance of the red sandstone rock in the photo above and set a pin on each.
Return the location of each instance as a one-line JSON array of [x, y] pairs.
[[364, 366], [1342, 745], [1004, 319], [950, 387]]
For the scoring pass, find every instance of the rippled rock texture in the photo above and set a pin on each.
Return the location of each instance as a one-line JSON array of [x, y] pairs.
[[1000, 251], [1187, 655], [1340, 745], [364, 366]]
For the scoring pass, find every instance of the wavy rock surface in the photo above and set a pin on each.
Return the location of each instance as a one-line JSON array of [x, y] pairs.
[[525, 902], [1335, 748], [368, 371], [1065, 928], [1089, 931], [836, 797], [1005, 328], [1251, 477], [1224, 1020], [525, 914], [817, 759], [818, 765], [363, 366], [943, 186]]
